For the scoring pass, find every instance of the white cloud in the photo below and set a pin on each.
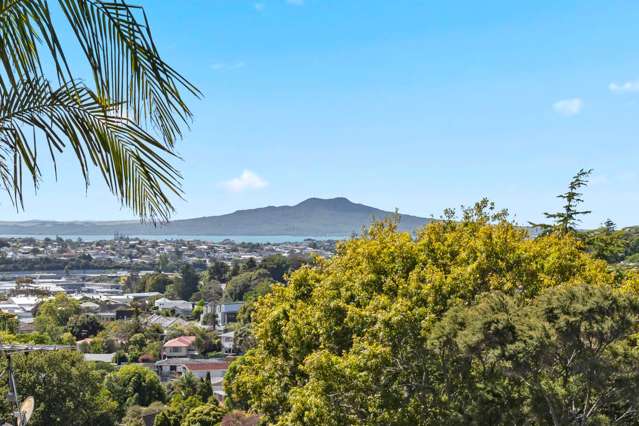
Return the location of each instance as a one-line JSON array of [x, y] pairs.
[[568, 107], [259, 7], [221, 66], [625, 87], [247, 180], [295, 2]]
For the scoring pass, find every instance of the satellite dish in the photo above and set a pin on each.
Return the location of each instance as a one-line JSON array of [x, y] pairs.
[[26, 411]]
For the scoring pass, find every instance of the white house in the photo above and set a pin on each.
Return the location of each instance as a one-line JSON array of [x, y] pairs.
[[227, 340], [172, 368], [226, 313], [180, 307]]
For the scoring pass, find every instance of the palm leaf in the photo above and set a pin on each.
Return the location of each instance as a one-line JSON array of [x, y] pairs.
[[127, 67], [111, 126], [130, 160]]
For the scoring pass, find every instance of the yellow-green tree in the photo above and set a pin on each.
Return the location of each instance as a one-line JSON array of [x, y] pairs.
[[359, 322]]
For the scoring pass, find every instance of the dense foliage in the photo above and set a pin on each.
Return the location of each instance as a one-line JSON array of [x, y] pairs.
[[361, 338], [67, 390]]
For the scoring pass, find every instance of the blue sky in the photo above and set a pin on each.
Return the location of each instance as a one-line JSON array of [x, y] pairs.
[[411, 104]]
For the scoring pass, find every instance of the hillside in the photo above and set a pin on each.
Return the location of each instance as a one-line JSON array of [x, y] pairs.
[[312, 217]]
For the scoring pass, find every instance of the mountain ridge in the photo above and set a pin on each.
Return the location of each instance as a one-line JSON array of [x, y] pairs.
[[311, 217]]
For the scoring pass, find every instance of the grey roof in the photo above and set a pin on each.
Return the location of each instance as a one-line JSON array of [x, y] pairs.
[[99, 357]]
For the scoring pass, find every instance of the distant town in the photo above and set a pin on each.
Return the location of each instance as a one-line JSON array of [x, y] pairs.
[[179, 300]]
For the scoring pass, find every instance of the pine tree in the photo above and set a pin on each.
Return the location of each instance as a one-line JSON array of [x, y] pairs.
[[565, 221]]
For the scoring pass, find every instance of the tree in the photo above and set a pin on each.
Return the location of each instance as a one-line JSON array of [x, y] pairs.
[[205, 388], [277, 265], [218, 271], [156, 282], [249, 265], [567, 220], [9, 322], [134, 385], [111, 123], [345, 341], [209, 414], [163, 262], [177, 410], [566, 358], [198, 309], [61, 308], [67, 390], [84, 325], [187, 283], [238, 286], [211, 291], [606, 243], [54, 314]]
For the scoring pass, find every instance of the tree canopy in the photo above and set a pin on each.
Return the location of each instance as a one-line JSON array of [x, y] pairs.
[[347, 341], [67, 390], [134, 385]]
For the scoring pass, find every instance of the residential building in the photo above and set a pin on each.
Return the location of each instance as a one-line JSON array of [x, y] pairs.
[[180, 347], [226, 313], [179, 307], [228, 340], [172, 368]]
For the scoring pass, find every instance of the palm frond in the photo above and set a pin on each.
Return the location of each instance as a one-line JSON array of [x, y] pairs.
[[134, 94], [127, 67], [129, 158], [25, 29]]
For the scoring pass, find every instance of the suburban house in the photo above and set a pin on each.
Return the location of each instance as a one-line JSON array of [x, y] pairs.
[[226, 313], [89, 307], [179, 307], [172, 368], [164, 322], [227, 340], [180, 347]]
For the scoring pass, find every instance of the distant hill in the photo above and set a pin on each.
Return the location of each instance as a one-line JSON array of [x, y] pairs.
[[312, 217]]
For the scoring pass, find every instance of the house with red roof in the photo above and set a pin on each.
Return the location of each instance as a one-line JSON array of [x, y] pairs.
[[180, 347]]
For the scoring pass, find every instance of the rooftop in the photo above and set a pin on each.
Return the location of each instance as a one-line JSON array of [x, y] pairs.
[[180, 342]]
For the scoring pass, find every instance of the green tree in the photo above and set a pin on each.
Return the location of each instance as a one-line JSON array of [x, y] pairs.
[[240, 285], [567, 220], [277, 265], [156, 282], [187, 283], [134, 385], [54, 314], [67, 390], [218, 271], [9, 322], [568, 357], [109, 120], [209, 414], [606, 243], [163, 262], [61, 308], [84, 325], [249, 265], [175, 412], [345, 341], [198, 309], [211, 291], [205, 388]]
